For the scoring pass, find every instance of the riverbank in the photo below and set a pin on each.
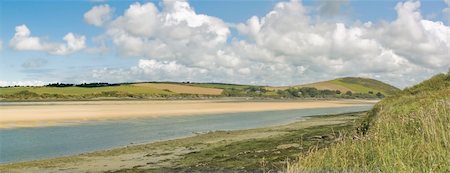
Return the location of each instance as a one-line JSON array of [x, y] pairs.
[[251, 150], [33, 114]]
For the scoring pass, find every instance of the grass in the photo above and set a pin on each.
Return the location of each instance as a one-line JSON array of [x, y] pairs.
[[364, 85], [82, 91], [353, 84], [181, 88], [407, 132], [262, 154], [170, 90], [220, 85]]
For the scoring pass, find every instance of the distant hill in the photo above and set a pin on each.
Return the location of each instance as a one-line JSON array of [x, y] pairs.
[[361, 88], [353, 84]]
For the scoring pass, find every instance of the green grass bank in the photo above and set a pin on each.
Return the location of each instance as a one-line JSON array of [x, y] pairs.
[[406, 132]]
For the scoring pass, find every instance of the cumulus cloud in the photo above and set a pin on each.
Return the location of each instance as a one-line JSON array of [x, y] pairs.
[[282, 47], [176, 31], [98, 15], [23, 41], [409, 47]]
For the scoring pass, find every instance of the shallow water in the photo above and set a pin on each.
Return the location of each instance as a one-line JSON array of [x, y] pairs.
[[23, 144]]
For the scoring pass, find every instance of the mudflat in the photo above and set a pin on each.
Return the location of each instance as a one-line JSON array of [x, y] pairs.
[[24, 114]]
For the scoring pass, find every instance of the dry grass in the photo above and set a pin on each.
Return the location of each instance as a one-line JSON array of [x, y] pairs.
[[182, 89]]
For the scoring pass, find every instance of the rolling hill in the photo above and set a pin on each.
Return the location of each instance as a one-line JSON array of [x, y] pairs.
[[364, 87], [353, 84], [181, 88]]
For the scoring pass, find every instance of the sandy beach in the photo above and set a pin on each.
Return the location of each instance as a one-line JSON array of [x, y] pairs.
[[30, 114]]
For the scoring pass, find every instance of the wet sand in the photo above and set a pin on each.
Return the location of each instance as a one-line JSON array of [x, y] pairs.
[[31, 114]]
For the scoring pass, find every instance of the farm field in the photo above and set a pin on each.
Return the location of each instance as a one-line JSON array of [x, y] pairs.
[[180, 88]]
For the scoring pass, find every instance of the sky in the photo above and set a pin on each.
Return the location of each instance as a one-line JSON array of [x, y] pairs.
[[262, 42]]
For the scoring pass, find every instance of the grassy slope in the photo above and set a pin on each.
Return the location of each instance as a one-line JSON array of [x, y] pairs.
[[364, 85], [354, 84], [181, 88], [407, 132], [219, 85], [81, 91], [361, 85], [138, 88]]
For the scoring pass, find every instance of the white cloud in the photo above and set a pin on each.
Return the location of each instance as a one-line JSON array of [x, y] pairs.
[[73, 44], [24, 83], [282, 47], [98, 15], [23, 41], [145, 31]]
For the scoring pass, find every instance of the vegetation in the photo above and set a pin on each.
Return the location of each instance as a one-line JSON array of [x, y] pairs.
[[182, 88], [87, 85], [219, 85], [267, 154], [74, 92], [164, 90], [352, 84], [406, 132], [365, 85]]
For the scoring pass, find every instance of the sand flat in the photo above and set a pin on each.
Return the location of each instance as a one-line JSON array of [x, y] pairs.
[[50, 113]]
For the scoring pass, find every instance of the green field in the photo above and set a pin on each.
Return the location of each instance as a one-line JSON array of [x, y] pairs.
[[81, 91], [219, 85], [353, 84], [364, 85], [158, 90], [407, 132]]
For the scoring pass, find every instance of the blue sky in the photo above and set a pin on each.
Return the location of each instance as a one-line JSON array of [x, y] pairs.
[[52, 20]]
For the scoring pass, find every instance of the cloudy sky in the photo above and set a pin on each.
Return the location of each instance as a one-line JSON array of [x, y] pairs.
[[248, 42]]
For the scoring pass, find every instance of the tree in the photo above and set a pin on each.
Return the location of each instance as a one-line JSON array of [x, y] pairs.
[[379, 95], [349, 93]]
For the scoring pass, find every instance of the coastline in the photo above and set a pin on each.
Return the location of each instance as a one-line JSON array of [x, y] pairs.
[[190, 153], [36, 114]]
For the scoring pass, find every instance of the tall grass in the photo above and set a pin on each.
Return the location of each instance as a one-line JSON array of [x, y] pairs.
[[408, 132]]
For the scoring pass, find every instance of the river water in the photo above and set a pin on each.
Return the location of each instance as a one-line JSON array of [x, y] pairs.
[[22, 144]]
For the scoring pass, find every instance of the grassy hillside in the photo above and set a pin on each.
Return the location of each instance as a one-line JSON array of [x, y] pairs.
[[82, 91], [353, 84], [220, 85], [181, 88], [361, 88], [364, 85], [407, 132]]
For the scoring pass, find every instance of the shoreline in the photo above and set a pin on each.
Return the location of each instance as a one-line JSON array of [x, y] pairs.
[[183, 153], [38, 114]]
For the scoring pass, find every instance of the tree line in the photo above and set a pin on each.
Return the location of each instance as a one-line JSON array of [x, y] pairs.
[[85, 85], [294, 92]]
